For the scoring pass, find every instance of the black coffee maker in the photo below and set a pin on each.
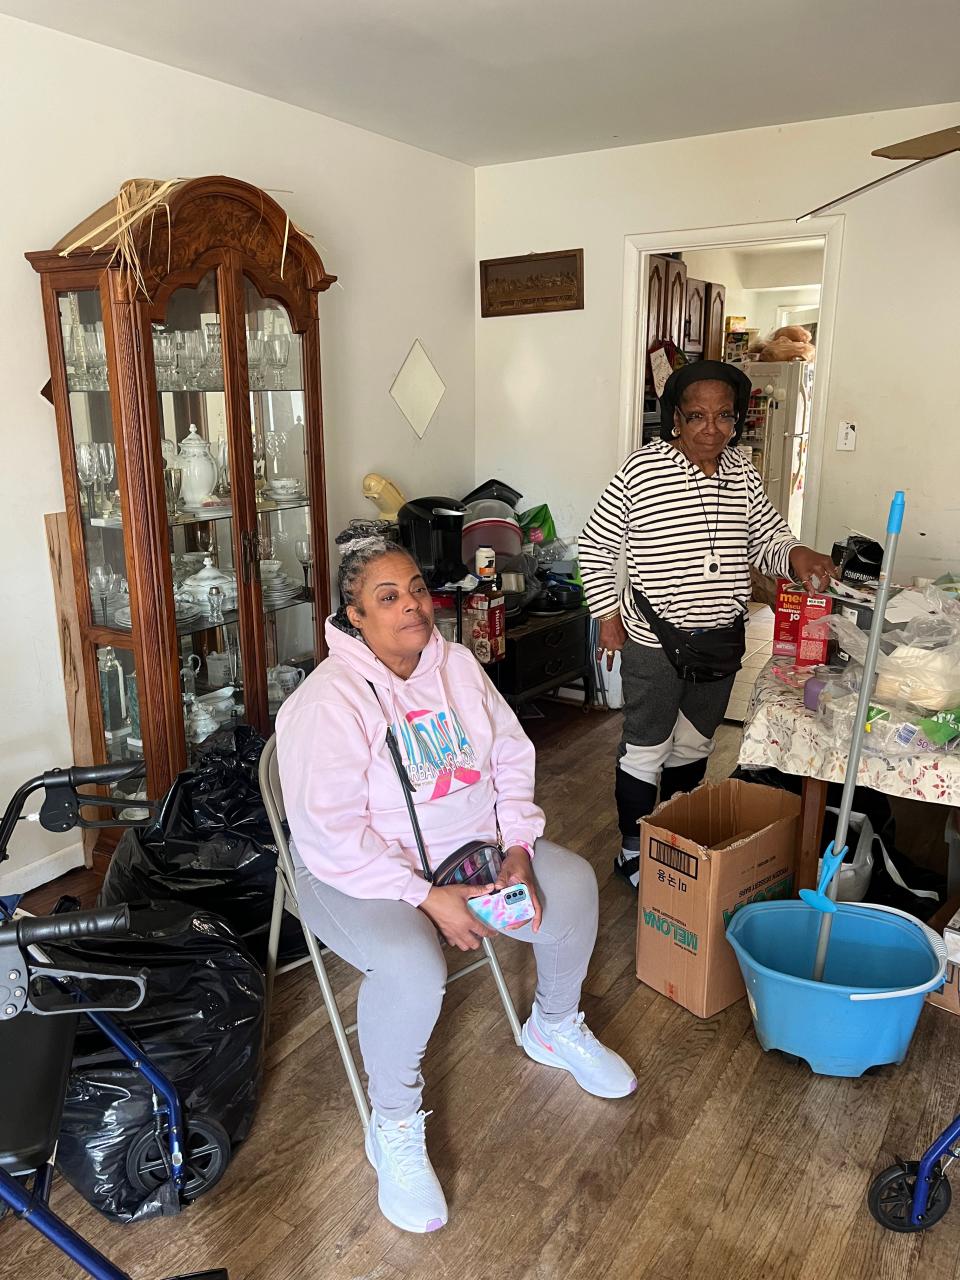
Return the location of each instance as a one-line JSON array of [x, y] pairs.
[[431, 529]]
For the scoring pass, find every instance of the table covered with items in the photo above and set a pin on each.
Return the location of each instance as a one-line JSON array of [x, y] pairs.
[[801, 714]]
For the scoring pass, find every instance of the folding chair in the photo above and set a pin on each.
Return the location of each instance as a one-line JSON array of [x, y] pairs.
[[285, 898]]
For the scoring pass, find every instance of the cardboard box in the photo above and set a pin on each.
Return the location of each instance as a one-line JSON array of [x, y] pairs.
[[690, 889], [947, 922], [485, 626], [799, 631]]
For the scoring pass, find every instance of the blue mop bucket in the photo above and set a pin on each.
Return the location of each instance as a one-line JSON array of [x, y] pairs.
[[880, 966]]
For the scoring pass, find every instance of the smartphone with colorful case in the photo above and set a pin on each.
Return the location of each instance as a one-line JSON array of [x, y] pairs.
[[507, 908]]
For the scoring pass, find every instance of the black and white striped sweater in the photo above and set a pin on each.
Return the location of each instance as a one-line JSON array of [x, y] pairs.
[[669, 512]]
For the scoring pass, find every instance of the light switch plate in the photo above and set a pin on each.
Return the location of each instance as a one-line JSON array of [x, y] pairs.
[[847, 436]]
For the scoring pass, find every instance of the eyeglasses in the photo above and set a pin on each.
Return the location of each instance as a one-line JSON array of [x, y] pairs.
[[726, 418]]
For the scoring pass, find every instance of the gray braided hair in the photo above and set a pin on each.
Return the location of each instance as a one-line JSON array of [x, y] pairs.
[[353, 570]]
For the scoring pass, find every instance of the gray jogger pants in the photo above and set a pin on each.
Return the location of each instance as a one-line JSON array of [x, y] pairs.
[[667, 722], [398, 950]]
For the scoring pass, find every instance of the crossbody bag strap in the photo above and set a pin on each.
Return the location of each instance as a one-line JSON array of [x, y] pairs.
[[407, 788]]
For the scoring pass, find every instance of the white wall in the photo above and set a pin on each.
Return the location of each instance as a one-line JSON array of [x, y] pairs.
[[722, 266], [761, 305], [548, 385], [394, 223]]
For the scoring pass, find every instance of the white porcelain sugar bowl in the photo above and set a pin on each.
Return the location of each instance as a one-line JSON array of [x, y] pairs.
[[198, 470], [198, 585]]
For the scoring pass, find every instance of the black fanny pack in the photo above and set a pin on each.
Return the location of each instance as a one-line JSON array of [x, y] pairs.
[[698, 657], [477, 862]]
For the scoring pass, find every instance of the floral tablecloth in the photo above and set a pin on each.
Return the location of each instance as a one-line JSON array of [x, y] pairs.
[[780, 733]]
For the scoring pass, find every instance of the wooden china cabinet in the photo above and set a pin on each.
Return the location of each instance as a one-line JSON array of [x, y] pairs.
[[185, 363]]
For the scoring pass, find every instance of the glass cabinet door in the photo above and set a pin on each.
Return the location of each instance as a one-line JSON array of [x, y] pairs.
[[95, 461], [202, 540], [277, 418]]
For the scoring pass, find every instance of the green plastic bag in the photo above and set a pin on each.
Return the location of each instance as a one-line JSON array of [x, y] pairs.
[[537, 525]]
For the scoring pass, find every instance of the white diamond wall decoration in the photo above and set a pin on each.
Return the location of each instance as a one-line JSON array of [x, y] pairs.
[[418, 389]]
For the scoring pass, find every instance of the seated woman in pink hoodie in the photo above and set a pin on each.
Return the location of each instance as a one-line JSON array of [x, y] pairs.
[[358, 874]]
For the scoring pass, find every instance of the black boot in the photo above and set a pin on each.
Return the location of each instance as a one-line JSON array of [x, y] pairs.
[[683, 777], [635, 799]]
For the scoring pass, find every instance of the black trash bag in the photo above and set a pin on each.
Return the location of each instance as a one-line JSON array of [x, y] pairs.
[[874, 804], [201, 1024], [210, 846]]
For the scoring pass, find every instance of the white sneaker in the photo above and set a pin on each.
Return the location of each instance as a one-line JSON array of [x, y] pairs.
[[410, 1195], [573, 1047]]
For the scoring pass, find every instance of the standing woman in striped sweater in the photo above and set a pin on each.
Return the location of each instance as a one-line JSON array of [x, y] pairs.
[[694, 517]]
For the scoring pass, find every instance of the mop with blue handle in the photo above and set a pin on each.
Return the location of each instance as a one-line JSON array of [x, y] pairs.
[[825, 896]]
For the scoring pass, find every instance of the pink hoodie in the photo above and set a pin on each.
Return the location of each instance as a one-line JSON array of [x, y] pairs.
[[471, 763]]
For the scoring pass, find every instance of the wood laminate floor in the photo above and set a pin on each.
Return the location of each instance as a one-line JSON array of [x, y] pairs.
[[727, 1164]]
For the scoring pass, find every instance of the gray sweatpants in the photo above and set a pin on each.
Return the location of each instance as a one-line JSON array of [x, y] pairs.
[[667, 722], [398, 950]]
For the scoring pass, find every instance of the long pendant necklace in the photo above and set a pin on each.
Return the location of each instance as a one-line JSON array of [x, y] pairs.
[[712, 563]]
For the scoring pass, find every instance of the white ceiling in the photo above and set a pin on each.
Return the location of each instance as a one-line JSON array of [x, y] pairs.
[[485, 81]]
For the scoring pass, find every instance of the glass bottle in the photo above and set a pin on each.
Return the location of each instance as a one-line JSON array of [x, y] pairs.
[[112, 692]]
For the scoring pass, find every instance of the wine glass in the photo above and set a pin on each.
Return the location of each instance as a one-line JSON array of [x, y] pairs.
[[102, 581], [106, 470], [256, 354], [212, 371], [164, 358], [206, 539], [190, 358], [74, 357], [278, 356], [223, 468], [95, 351], [304, 552], [87, 472]]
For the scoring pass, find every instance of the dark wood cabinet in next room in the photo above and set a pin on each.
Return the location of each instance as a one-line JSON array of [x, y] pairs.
[[695, 327], [713, 327]]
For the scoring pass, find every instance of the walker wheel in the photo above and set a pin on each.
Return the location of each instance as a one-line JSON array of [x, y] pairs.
[[890, 1198], [206, 1154]]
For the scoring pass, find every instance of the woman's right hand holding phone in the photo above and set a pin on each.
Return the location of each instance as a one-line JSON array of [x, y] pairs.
[[447, 908]]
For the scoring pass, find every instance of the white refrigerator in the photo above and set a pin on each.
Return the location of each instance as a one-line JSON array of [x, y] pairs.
[[778, 430]]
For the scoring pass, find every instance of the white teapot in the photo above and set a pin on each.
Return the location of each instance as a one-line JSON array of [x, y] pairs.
[[198, 471], [286, 677]]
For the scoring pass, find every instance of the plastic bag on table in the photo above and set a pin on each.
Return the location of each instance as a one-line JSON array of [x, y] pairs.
[[537, 525], [201, 1024], [919, 664], [210, 846], [889, 731]]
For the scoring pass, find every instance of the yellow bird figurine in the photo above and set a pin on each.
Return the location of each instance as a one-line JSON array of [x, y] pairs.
[[384, 495]]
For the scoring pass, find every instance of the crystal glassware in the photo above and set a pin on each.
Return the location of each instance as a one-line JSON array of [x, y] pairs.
[[215, 605], [304, 553], [103, 581], [278, 356], [190, 358], [165, 358], [87, 470], [211, 373], [256, 355], [95, 353], [171, 487], [106, 470]]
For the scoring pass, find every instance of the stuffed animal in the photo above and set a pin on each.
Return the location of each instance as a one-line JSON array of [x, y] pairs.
[[792, 342]]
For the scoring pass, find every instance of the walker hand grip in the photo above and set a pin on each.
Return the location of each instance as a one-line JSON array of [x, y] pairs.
[[100, 775], [33, 931]]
